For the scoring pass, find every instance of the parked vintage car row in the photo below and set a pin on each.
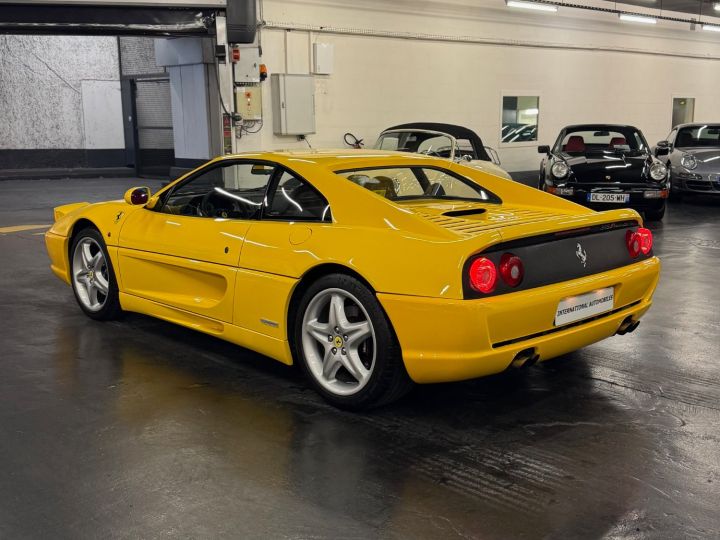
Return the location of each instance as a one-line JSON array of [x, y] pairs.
[[600, 166]]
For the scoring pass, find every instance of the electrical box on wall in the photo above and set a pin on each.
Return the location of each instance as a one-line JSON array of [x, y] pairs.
[[247, 67], [248, 102], [323, 58], [293, 104]]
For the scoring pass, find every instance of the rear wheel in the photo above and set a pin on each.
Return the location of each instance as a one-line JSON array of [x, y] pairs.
[[346, 346], [92, 277]]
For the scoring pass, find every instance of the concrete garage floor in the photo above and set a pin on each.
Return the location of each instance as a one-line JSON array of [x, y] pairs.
[[140, 429]]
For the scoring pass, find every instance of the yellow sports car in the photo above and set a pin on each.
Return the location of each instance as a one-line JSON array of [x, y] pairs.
[[370, 269]]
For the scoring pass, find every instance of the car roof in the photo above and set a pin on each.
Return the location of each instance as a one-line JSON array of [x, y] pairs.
[[459, 132], [339, 159]]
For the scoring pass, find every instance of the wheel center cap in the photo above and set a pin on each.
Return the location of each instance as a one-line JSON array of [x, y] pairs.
[[338, 341], [91, 274]]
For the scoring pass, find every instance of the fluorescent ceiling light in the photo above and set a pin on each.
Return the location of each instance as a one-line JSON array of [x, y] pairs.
[[711, 28], [716, 6], [530, 5], [531, 112], [637, 18]]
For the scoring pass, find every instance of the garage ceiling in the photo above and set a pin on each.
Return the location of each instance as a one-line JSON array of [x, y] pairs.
[[692, 7]]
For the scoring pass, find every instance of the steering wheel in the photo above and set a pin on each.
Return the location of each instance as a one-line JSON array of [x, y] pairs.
[[206, 208]]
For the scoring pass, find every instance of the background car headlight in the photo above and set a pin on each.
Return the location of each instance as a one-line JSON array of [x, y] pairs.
[[688, 161], [559, 169], [658, 171]]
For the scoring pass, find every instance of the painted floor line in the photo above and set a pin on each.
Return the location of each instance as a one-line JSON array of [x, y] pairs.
[[20, 228]]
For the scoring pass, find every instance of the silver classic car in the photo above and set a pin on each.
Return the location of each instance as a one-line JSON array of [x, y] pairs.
[[694, 159]]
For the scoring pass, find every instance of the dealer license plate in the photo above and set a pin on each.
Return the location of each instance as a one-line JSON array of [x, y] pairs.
[[608, 197], [576, 308]]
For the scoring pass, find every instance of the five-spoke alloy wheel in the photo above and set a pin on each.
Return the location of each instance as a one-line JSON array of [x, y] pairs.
[[345, 344], [93, 279], [338, 341]]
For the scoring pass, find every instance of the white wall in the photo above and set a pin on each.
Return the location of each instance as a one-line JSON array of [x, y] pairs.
[[585, 66]]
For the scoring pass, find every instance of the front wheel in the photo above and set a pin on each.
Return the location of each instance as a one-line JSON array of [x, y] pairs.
[[93, 279], [346, 345], [656, 214]]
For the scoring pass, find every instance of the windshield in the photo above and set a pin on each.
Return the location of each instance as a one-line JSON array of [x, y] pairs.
[[407, 183], [417, 142], [601, 140], [698, 136]]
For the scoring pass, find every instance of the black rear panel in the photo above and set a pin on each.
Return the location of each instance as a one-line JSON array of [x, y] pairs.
[[561, 256]]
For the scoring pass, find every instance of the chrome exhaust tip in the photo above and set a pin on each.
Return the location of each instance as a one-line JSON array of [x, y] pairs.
[[525, 358], [625, 326]]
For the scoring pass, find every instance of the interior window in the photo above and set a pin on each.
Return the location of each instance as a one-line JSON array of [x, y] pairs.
[[295, 199], [229, 190]]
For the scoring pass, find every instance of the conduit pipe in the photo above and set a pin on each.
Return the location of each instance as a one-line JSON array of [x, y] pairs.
[[365, 32]]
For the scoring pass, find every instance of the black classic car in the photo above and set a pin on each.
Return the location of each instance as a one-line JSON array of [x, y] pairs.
[[603, 166]]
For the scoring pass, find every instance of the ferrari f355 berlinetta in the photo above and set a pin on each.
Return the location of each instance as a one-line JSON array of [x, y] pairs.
[[369, 269]]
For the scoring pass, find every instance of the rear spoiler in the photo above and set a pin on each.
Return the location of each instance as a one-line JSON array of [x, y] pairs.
[[64, 210]]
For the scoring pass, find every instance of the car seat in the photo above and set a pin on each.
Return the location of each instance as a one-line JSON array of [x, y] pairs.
[[575, 144]]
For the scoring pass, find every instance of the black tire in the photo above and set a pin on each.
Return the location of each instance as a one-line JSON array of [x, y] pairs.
[[388, 380], [675, 195], [655, 215], [111, 304]]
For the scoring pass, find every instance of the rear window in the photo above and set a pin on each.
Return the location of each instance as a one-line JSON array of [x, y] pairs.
[[407, 183]]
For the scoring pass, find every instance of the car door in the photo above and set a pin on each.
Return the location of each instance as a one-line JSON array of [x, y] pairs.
[[184, 252], [277, 250]]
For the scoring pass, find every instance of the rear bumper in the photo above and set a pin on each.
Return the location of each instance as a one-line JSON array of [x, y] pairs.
[[450, 340]]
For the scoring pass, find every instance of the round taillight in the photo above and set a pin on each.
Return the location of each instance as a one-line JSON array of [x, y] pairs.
[[511, 269], [483, 275], [633, 241], [646, 240]]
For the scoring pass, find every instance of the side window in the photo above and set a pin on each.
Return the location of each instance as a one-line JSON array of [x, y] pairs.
[[229, 190], [295, 199]]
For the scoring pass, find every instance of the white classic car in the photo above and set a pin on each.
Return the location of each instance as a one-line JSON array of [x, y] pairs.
[[449, 141]]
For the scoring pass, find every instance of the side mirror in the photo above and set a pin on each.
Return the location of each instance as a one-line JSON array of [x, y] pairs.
[[662, 148], [137, 195], [544, 149]]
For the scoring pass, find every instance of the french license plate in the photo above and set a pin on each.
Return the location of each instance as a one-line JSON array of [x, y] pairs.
[[582, 306], [608, 197]]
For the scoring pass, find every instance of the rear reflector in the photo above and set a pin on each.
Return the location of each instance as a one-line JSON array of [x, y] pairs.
[[483, 275], [511, 269]]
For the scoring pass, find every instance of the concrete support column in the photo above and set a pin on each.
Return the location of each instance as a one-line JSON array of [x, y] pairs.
[[194, 95]]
